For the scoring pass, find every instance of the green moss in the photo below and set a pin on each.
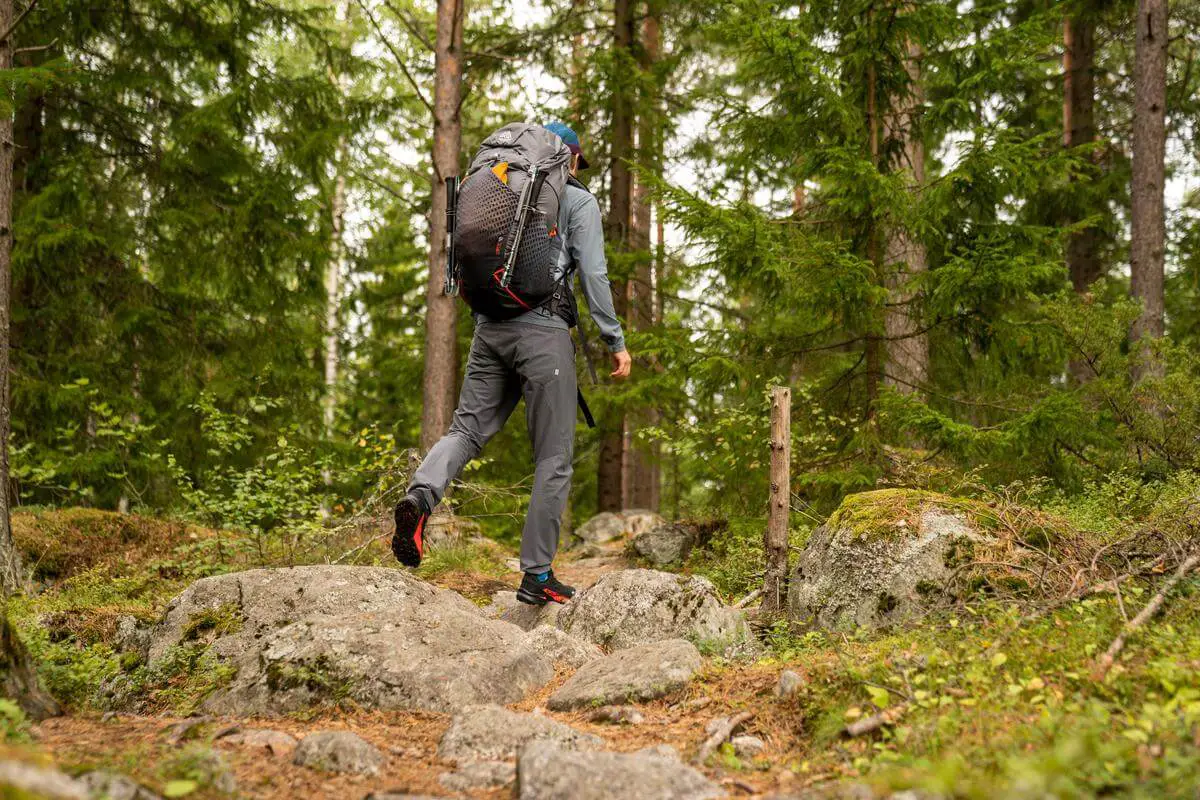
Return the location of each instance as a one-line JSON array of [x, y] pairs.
[[213, 622], [320, 677], [878, 514]]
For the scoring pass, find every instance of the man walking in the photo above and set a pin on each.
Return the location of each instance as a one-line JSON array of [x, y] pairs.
[[530, 356]]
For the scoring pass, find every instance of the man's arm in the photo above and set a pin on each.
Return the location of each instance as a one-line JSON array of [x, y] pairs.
[[585, 238]]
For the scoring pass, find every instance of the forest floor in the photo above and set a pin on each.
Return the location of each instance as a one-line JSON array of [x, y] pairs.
[[985, 701]]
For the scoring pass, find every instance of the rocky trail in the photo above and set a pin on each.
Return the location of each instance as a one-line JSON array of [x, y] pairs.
[[367, 682]]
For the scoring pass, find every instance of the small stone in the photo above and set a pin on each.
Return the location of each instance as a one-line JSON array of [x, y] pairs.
[[660, 750], [185, 729], [476, 775], [617, 715], [746, 746], [278, 743], [714, 725], [789, 683], [338, 751], [110, 786]]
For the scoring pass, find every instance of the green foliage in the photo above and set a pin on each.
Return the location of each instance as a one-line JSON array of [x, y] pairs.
[[14, 725]]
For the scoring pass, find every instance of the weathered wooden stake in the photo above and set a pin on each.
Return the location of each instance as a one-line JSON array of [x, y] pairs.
[[775, 540]]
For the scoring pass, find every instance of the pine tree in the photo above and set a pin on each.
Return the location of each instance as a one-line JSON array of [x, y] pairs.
[[1147, 216], [441, 347]]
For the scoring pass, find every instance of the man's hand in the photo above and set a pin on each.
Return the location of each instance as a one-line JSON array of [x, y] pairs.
[[622, 363]]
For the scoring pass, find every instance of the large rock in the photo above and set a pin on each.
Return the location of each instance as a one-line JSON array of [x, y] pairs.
[[492, 733], [338, 751], [307, 635], [608, 526], [886, 556], [19, 780], [559, 647], [664, 544], [546, 772], [644, 672], [635, 606]]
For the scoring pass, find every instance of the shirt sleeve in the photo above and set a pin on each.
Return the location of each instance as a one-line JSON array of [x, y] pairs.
[[585, 239]]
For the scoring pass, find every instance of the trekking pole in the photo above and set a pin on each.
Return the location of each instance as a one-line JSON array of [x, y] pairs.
[[451, 285], [532, 188]]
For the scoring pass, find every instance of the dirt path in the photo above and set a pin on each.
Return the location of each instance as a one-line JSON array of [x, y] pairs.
[[142, 747]]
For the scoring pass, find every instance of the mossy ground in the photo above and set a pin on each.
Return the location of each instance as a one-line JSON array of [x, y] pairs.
[[891, 512]]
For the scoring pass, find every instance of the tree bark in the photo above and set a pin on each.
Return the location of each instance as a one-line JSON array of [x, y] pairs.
[[1079, 129], [1148, 223], [18, 678], [11, 578], [610, 492], [643, 486], [775, 540], [336, 263], [907, 350], [441, 347]]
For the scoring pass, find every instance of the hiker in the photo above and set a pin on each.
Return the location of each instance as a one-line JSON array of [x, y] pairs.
[[524, 306]]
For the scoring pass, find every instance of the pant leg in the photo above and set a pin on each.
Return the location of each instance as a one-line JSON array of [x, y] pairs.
[[546, 363], [490, 392]]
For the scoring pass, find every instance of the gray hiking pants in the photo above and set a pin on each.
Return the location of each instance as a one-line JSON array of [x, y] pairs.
[[508, 361]]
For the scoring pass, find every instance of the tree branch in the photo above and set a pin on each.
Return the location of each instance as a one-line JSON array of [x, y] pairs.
[[416, 87], [20, 18]]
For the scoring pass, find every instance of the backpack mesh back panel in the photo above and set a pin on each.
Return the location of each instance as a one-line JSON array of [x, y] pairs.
[[487, 210]]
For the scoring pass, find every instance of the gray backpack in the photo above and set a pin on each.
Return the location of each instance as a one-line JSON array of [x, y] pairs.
[[503, 222]]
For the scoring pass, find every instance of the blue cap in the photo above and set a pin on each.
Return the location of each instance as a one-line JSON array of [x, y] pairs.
[[570, 139]]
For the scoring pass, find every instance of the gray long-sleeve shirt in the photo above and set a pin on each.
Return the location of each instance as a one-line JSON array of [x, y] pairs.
[[580, 222]]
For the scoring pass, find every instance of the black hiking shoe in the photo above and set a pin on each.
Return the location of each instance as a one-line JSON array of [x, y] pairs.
[[537, 592], [407, 544]]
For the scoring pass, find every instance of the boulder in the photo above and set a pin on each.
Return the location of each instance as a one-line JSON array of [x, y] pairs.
[[885, 557], [307, 635], [338, 751], [644, 672], [479, 775], [492, 733], [546, 772], [664, 544], [634, 606], [111, 786], [607, 526], [18, 779], [523, 615], [558, 647]]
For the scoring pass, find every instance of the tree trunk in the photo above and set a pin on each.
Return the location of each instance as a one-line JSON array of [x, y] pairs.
[[610, 492], [1148, 224], [441, 347], [333, 278], [643, 486], [11, 578], [1079, 129], [18, 679], [873, 347], [775, 540], [907, 351]]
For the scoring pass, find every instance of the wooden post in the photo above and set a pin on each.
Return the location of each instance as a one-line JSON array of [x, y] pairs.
[[775, 540]]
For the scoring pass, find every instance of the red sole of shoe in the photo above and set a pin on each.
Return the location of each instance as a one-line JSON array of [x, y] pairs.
[[406, 541]]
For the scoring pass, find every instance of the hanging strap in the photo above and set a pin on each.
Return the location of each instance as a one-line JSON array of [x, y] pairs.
[[583, 406]]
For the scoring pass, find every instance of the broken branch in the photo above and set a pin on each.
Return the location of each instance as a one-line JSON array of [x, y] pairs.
[[723, 732], [888, 716], [1118, 644]]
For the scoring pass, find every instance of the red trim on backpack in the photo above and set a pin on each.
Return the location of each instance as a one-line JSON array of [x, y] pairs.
[[510, 292]]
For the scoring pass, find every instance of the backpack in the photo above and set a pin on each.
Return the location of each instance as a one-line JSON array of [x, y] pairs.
[[503, 221]]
